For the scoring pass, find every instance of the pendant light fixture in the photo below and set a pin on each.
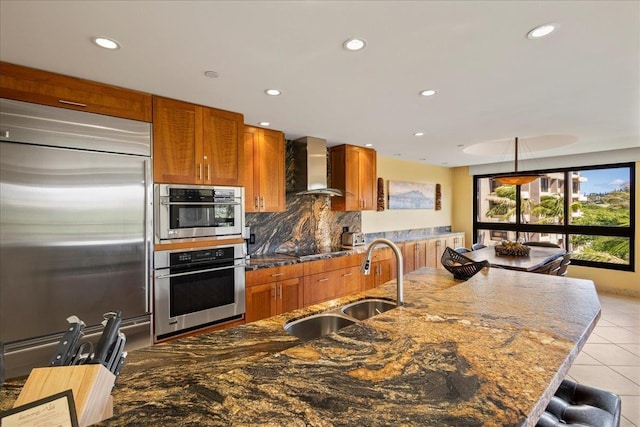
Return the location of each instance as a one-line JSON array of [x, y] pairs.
[[516, 178]]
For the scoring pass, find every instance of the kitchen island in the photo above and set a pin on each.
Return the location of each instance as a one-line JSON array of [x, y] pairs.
[[488, 351]]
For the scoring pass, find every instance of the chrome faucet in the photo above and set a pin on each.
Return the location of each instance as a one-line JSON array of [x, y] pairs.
[[366, 265]]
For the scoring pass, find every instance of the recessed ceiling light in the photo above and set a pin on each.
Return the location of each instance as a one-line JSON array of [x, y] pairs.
[[368, 145], [211, 74], [541, 31], [418, 134], [428, 92], [264, 124], [397, 154], [354, 44], [106, 43], [272, 92], [460, 145]]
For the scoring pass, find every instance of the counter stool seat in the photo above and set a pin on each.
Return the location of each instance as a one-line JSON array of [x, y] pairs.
[[580, 405]]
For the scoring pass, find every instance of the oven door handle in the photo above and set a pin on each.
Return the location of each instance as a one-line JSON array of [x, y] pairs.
[[207, 270], [165, 203]]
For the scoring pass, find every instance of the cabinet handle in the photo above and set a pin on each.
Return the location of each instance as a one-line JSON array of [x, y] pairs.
[[199, 172], [277, 274], [326, 279], [347, 274], [274, 292], [438, 243], [262, 198], [76, 104], [257, 204], [206, 172], [280, 291]]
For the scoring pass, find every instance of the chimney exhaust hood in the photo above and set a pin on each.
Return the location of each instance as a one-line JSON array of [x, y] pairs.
[[310, 167]]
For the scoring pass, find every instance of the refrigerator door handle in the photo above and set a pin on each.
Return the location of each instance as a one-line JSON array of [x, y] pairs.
[[148, 233]]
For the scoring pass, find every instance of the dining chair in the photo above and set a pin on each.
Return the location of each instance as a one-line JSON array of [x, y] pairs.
[[566, 260], [542, 244], [477, 246], [550, 267], [462, 250]]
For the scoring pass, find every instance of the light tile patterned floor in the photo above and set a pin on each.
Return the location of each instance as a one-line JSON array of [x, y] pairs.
[[611, 357]]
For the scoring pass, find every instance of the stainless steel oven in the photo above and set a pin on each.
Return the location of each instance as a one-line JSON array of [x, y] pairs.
[[197, 288], [197, 211]]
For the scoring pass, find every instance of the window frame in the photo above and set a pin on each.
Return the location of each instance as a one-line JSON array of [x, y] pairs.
[[566, 229]]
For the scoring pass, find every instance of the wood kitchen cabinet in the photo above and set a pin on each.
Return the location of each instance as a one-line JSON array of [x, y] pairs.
[[414, 255], [331, 278], [353, 170], [436, 247], [273, 291], [264, 182], [382, 268], [198, 145], [43, 87]]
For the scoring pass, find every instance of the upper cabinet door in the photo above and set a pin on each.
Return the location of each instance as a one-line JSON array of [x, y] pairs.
[[264, 170], [177, 151], [353, 170], [271, 157], [196, 145], [43, 87], [251, 178], [368, 178], [223, 147]]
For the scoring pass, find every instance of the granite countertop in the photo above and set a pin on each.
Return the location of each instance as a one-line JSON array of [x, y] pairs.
[[488, 351], [279, 259]]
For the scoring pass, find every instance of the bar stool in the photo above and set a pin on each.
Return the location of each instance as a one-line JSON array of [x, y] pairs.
[[580, 405]]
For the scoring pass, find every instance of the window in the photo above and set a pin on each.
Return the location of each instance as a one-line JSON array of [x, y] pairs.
[[544, 184], [586, 210]]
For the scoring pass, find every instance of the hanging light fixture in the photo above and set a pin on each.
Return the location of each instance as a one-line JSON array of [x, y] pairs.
[[516, 178]]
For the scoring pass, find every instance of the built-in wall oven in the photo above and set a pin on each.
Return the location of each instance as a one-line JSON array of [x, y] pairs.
[[195, 211], [197, 288]]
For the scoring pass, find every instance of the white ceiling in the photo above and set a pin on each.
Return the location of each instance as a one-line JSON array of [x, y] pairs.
[[581, 84]]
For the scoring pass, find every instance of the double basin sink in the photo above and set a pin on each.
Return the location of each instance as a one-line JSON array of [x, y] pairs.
[[318, 325]]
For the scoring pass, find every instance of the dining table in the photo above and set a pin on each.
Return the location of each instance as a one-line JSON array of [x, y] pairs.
[[538, 255]]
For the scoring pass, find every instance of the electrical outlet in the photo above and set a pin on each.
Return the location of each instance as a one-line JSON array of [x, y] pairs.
[[252, 239], [345, 229]]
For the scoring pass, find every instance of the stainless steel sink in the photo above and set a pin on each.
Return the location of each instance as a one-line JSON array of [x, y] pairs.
[[367, 308], [317, 325]]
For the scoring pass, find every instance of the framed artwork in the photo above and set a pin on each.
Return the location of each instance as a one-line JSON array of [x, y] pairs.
[[411, 195], [56, 410]]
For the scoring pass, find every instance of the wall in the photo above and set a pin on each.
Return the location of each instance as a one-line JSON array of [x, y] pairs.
[[403, 219], [611, 281]]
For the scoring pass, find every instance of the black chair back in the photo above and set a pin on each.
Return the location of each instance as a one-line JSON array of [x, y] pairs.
[[542, 244]]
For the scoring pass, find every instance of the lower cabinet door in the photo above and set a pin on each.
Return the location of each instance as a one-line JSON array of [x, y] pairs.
[[290, 295], [260, 302]]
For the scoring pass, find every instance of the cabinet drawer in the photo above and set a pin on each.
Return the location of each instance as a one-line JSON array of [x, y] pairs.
[[42, 87], [349, 281], [273, 274], [320, 287], [336, 263]]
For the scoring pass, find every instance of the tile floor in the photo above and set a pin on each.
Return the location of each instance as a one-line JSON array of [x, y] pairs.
[[611, 357]]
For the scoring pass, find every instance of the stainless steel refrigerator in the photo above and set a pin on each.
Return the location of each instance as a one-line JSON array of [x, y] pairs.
[[75, 228]]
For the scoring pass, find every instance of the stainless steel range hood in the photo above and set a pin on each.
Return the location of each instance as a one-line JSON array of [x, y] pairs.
[[310, 167]]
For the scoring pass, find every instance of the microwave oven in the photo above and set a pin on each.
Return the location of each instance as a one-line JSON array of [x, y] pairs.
[[190, 212]]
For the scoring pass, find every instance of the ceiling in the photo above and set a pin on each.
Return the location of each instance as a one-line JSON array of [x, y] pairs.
[[574, 91]]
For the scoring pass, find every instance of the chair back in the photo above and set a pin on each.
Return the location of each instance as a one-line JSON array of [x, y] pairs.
[[542, 244], [566, 260], [550, 267], [477, 246], [462, 250]]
